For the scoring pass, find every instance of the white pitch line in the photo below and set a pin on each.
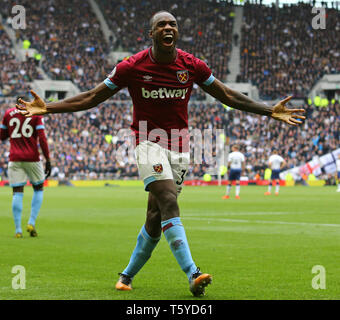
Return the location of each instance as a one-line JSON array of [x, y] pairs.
[[267, 222], [250, 213]]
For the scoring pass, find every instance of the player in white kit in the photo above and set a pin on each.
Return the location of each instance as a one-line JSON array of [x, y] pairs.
[[236, 164], [275, 162], [338, 171]]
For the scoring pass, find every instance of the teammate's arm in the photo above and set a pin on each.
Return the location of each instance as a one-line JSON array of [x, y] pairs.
[[240, 101], [44, 147], [82, 101]]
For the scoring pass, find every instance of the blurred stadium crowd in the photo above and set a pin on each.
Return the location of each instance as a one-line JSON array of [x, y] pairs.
[[14, 75], [91, 145], [280, 53]]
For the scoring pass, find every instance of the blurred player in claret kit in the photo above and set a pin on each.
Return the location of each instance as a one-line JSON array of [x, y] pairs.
[[24, 163], [236, 165], [160, 80], [275, 163]]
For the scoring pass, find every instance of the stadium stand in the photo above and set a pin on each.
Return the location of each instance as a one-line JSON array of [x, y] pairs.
[[282, 54], [69, 39], [14, 75]]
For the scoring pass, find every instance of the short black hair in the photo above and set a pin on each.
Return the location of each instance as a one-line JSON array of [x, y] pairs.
[[153, 16]]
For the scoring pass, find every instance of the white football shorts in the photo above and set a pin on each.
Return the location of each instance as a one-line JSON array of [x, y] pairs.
[[157, 163], [20, 171]]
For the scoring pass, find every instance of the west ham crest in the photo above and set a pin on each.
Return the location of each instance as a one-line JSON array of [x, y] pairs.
[[158, 168], [183, 76]]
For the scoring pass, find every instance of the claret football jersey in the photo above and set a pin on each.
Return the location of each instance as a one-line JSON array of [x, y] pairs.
[[23, 134], [160, 94]]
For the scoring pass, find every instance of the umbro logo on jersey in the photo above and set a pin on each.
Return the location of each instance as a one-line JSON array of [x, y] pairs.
[[164, 93], [147, 78]]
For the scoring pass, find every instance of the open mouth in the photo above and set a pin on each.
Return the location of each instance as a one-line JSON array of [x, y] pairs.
[[168, 40]]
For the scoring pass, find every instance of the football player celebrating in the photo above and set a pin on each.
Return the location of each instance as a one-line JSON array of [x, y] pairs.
[[160, 80]]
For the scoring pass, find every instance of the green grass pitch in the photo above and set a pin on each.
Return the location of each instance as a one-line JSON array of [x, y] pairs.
[[256, 248]]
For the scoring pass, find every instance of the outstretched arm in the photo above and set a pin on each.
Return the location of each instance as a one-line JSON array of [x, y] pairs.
[[240, 101], [82, 101]]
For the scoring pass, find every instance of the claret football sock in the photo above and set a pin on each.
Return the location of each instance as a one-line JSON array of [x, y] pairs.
[[175, 235], [141, 253], [17, 210], [35, 206]]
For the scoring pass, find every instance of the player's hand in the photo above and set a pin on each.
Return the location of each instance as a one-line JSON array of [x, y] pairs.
[[48, 169], [36, 107], [282, 113]]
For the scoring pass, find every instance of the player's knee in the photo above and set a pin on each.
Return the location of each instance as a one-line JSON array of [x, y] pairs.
[[165, 195], [153, 221], [168, 198], [169, 205], [153, 215]]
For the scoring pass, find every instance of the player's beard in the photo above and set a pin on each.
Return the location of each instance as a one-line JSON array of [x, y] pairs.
[[165, 49]]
